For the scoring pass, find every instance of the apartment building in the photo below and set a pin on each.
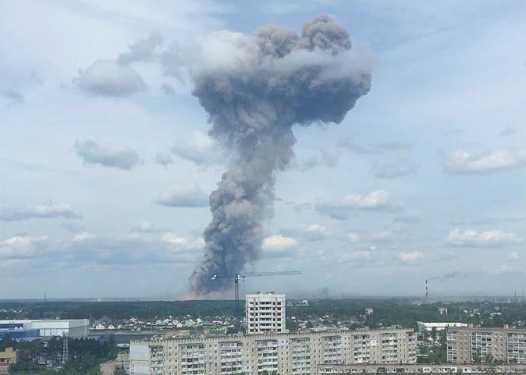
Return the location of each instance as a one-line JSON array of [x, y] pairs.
[[265, 313], [286, 354], [474, 345], [7, 358]]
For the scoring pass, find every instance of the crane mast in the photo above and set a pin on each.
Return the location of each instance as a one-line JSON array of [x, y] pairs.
[[238, 276]]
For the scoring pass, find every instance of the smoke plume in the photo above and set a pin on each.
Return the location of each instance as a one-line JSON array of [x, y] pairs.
[[449, 275], [254, 90]]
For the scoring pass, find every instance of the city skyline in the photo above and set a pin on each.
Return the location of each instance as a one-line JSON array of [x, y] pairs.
[[106, 165]]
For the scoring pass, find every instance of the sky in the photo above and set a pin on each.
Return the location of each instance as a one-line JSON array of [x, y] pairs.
[[106, 164]]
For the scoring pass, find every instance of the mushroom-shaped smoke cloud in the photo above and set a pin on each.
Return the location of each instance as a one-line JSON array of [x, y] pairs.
[[254, 90]]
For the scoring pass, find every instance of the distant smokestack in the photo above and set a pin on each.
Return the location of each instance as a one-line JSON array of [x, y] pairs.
[[254, 90]]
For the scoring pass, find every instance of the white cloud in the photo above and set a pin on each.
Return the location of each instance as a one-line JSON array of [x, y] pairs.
[[472, 238], [509, 130], [200, 149], [108, 78], [182, 242], [384, 235], [353, 237], [392, 170], [484, 161], [143, 50], [374, 199], [13, 96], [46, 210], [279, 242], [373, 148], [20, 247], [513, 256], [83, 236], [163, 158], [116, 156], [344, 208], [410, 257], [182, 196], [326, 158]]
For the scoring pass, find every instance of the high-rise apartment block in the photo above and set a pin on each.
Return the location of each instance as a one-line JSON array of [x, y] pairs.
[[474, 345], [265, 313], [282, 353]]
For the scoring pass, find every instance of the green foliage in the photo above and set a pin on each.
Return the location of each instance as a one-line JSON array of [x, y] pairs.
[[85, 356], [119, 371], [7, 342]]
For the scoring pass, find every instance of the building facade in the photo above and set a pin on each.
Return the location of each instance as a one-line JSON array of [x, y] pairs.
[[265, 313], [421, 369], [285, 354], [429, 327], [7, 358], [480, 345], [30, 329]]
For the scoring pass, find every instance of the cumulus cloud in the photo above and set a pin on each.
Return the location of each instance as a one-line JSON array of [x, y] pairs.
[[83, 236], [513, 256], [278, 246], [472, 238], [314, 232], [373, 148], [278, 242], [200, 149], [109, 78], [13, 96], [163, 158], [326, 158], [20, 247], [182, 196], [344, 208], [411, 257], [86, 248], [509, 130], [143, 50], [183, 242], [143, 226], [391, 170], [46, 210], [480, 161], [310, 232], [116, 156]]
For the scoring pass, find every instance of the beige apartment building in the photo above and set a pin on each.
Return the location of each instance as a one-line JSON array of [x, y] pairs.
[[286, 354], [473, 345], [7, 357], [265, 313]]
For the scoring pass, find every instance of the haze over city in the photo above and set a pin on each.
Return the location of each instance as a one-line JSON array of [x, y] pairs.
[[411, 167]]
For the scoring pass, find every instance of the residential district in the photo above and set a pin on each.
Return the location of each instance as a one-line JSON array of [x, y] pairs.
[[275, 336]]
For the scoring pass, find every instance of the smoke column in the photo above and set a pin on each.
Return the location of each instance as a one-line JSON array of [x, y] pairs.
[[254, 90], [449, 275]]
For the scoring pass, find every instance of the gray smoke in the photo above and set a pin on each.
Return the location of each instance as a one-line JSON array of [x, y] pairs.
[[449, 275], [254, 90]]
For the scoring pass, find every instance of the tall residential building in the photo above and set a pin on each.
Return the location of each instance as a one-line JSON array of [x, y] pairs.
[[285, 353], [265, 313], [474, 345]]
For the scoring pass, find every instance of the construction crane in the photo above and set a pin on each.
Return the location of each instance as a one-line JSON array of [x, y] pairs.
[[238, 276]]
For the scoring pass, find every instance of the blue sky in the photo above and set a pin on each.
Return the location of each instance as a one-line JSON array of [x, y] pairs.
[[106, 165]]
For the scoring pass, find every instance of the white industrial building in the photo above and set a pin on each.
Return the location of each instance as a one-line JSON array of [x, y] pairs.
[[265, 313], [429, 327], [75, 328]]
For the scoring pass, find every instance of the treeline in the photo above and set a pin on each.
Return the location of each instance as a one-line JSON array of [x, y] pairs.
[[113, 310], [84, 355], [386, 312]]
